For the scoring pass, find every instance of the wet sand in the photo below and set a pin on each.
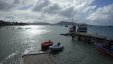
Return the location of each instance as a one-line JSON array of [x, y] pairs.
[[40, 58]]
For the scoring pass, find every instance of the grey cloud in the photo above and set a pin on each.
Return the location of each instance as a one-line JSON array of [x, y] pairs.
[[50, 10], [68, 12], [47, 7], [103, 15], [53, 8], [5, 6], [40, 5], [17, 1], [9, 17]]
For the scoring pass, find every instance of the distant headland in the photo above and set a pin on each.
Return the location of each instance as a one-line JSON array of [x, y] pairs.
[[6, 23]]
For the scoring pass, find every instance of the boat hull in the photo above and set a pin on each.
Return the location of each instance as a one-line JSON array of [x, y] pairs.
[[56, 48], [101, 48], [46, 45]]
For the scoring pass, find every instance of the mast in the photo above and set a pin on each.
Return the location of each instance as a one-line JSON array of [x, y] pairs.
[[72, 20], [72, 14]]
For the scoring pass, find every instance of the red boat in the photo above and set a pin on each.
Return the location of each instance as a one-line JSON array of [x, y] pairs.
[[103, 49], [45, 45]]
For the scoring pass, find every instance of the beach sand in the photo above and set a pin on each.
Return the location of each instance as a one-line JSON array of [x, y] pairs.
[[40, 58]]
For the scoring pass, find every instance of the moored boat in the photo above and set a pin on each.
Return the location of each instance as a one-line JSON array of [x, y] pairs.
[[72, 29], [19, 28], [66, 25], [45, 45], [104, 49], [82, 28], [66, 34], [56, 48]]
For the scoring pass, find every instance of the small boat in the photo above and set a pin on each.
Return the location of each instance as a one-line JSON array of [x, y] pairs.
[[45, 45], [56, 48], [66, 25], [66, 34], [104, 49], [19, 28], [27, 28], [72, 29]]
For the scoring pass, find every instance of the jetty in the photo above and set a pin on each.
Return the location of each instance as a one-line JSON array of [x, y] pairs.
[[89, 37], [40, 58], [82, 35]]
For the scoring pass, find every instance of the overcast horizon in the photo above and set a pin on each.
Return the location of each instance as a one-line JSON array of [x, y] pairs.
[[94, 12]]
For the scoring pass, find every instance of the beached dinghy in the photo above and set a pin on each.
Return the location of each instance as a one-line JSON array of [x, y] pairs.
[[56, 48], [104, 49], [45, 45]]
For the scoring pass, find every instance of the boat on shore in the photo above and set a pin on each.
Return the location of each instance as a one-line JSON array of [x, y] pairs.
[[45, 45], [104, 49], [56, 48]]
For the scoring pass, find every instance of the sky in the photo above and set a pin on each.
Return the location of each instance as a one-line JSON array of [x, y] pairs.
[[94, 12]]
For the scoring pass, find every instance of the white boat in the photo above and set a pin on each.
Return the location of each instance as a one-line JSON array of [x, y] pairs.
[[56, 48], [82, 28]]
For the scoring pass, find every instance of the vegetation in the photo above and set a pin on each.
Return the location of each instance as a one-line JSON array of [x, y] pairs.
[[4, 23]]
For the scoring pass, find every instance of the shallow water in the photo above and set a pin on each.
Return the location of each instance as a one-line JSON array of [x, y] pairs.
[[15, 42]]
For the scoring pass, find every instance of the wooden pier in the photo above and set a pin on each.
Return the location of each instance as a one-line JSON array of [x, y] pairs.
[[90, 38]]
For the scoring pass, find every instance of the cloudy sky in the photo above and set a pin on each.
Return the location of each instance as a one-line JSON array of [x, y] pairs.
[[97, 12]]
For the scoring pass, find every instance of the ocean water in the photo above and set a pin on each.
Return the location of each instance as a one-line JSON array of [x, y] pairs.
[[15, 41]]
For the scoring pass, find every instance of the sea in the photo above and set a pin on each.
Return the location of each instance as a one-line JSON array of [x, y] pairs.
[[16, 41]]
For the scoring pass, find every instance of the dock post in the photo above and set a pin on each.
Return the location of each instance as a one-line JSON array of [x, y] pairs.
[[79, 38]]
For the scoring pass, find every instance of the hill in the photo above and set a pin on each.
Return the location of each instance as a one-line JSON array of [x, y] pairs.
[[39, 23], [66, 23]]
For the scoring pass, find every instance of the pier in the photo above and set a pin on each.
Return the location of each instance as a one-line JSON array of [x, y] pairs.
[[90, 38], [82, 35]]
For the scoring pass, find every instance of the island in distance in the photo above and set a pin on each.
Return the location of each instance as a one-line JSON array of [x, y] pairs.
[[7, 23]]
